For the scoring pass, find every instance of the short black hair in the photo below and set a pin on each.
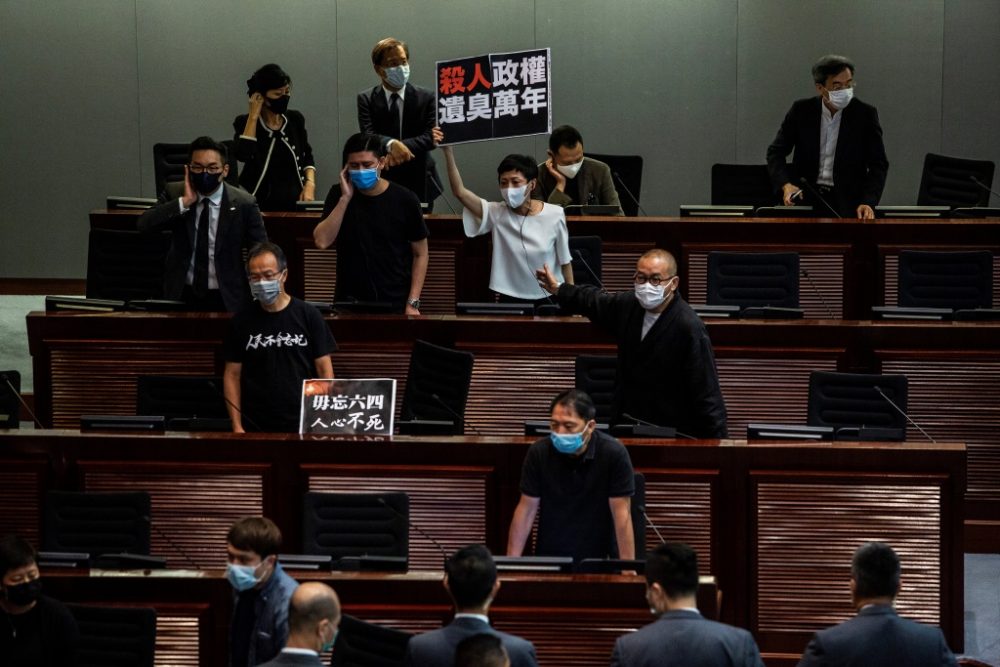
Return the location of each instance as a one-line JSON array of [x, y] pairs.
[[471, 576], [580, 401], [257, 534], [564, 135], [522, 163], [209, 144], [674, 566], [480, 650], [268, 77], [15, 552], [875, 570], [361, 143], [830, 65], [267, 246]]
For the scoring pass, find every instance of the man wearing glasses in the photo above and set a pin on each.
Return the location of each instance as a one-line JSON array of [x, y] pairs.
[[666, 368], [211, 222]]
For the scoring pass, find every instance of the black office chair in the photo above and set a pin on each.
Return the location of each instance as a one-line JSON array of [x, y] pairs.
[[169, 161], [957, 280], [437, 389], [96, 523], [179, 398], [126, 265], [353, 525], [753, 280], [850, 402], [10, 407], [115, 636], [361, 644], [595, 374], [948, 181], [626, 171], [586, 253], [742, 184]]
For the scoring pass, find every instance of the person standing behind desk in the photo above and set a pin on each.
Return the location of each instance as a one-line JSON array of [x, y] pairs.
[[568, 178], [838, 147], [379, 229]]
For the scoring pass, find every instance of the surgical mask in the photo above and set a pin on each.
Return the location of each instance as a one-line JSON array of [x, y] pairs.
[[650, 296], [24, 594], [514, 196], [570, 170], [567, 443], [364, 179], [265, 291], [329, 645], [397, 76], [840, 98], [242, 577], [278, 105], [205, 183]]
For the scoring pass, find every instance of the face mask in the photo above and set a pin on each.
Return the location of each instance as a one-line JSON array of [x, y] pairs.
[[650, 296], [570, 170], [364, 179], [265, 291], [205, 183], [514, 196], [278, 105], [329, 645], [397, 76], [840, 98], [24, 594], [567, 443], [241, 577]]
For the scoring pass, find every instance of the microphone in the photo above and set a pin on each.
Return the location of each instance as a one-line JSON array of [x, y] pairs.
[[816, 291], [234, 406], [649, 523], [21, 400], [440, 192], [444, 554], [900, 411], [983, 185], [643, 422], [579, 255], [805, 181], [187, 557], [460, 418], [629, 193]]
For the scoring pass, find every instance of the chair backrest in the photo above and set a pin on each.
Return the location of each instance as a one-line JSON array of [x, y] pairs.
[[742, 184], [751, 279], [169, 161], [851, 400], [115, 636], [595, 374], [625, 169], [96, 523], [10, 407], [126, 265], [586, 252], [180, 396], [638, 520], [355, 524], [929, 279], [947, 181], [442, 372], [361, 644]]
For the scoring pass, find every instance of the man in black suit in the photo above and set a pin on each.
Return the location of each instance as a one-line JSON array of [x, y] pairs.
[[313, 620], [212, 222], [681, 636], [877, 636], [839, 160], [471, 580], [402, 116]]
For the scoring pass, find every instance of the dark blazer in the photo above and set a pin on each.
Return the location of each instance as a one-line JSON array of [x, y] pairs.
[[878, 636], [595, 183], [686, 639], [240, 226], [437, 647], [419, 117], [293, 660], [280, 189], [860, 164]]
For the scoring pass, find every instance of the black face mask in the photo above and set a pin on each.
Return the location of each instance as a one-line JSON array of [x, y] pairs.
[[205, 183], [24, 594], [279, 105]]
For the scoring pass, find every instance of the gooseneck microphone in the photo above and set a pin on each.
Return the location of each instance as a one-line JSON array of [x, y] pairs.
[[461, 420], [826, 306], [156, 529], [629, 193], [440, 192], [642, 508], [444, 554], [815, 193], [242, 415], [902, 412], [636, 420], [983, 185], [579, 255], [21, 400]]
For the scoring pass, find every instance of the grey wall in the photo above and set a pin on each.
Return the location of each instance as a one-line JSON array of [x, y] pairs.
[[89, 87]]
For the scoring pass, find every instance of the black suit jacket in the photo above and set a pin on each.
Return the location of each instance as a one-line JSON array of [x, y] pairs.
[[437, 647], [293, 660], [240, 226], [875, 637], [859, 165], [419, 117], [686, 639]]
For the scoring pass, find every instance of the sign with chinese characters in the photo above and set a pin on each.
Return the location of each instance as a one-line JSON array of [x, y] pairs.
[[352, 407], [493, 96]]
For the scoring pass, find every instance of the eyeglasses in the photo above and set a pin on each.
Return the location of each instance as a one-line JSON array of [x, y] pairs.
[[201, 169], [654, 280], [264, 276]]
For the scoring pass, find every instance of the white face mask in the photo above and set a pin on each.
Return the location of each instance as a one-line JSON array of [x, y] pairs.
[[514, 196], [570, 170], [840, 98], [651, 296], [397, 76]]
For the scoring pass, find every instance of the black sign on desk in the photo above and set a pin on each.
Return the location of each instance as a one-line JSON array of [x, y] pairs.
[[494, 96], [365, 407]]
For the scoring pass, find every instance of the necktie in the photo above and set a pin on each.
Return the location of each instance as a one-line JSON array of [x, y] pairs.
[[200, 283], [394, 115]]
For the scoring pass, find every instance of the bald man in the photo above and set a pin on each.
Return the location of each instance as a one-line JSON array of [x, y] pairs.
[[313, 621]]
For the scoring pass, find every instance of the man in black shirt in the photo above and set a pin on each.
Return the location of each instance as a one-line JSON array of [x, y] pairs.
[[584, 482], [271, 348], [381, 236]]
